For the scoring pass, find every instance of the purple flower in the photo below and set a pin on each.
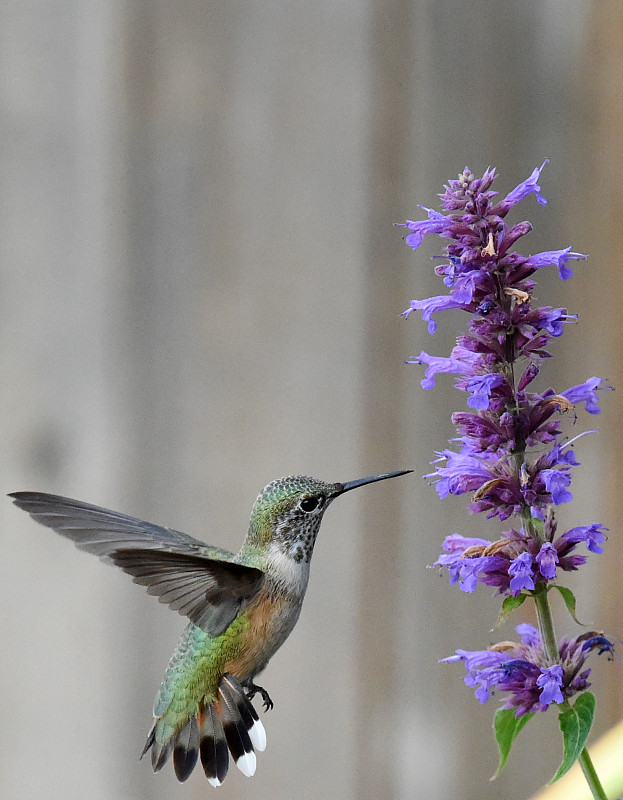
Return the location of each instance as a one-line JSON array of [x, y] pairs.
[[462, 473], [547, 558], [525, 188], [508, 564], [523, 670], [468, 572], [521, 570], [556, 483], [552, 476], [473, 561], [430, 306], [593, 535], [532, 320], [597, 641], [530, 636], [585, 393], [436, 223], [437, 364], [481, 387], [464, 285], [556, 258], [550, 681]]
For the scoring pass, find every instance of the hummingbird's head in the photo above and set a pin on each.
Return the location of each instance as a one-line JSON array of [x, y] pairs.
[[288, 512]]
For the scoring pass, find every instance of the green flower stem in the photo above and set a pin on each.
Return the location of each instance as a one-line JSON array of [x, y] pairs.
[[548, 635], [597, 790], [546, 623]]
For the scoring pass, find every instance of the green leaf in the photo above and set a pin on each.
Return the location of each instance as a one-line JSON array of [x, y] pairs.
[[569, 598], [507, 727], [575, 724], [510, 604]]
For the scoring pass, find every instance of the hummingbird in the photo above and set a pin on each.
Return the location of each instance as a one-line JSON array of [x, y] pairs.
[[241, 609]]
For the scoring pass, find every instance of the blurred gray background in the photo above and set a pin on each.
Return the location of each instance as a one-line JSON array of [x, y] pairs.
[[200, 291]]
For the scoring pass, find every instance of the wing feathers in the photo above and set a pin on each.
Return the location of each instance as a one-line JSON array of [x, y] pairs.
[[197, 581], [209, 592], [101, 531]]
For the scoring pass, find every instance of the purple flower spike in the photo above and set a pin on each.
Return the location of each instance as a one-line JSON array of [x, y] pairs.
[[493, 285], [510, 452]]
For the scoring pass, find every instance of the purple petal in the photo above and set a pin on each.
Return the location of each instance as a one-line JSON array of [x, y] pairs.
[[430, 306], [437, 364], [462, 473], [477, 659], [436, 223], [600, 643], [585, 393], [556, 483], [525, 188], [481, 387], [547, 558], [465, 285], [521, 570], [556, 258], [550, 681], [593, 535], [455, 543], [530, 636]]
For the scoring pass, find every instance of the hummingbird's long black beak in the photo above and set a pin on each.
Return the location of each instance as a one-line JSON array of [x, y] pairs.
[[346, 487]]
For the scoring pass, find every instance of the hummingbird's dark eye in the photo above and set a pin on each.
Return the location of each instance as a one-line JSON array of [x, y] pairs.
[[309, 504]]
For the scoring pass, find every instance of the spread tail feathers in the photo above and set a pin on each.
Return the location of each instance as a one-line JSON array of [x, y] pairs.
[[229, 725]]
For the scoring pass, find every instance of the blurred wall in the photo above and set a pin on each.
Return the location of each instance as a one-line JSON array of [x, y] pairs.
[[200, 291]]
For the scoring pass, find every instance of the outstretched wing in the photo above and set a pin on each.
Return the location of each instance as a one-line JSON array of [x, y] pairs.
[[209, 592], [198, 581], [101, 531]]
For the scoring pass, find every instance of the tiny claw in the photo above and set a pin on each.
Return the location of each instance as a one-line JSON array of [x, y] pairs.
[[253, 689], [266, 701]]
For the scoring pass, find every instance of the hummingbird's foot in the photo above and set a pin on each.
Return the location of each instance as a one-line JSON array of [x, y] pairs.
[[253, 689]]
